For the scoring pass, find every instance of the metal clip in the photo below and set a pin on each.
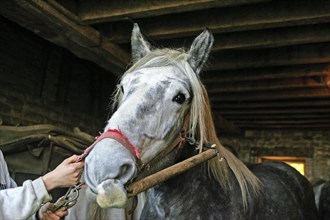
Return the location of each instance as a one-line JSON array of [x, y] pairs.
[[68, 200]]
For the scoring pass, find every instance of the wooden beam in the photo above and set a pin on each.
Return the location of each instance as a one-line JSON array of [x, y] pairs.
[[113, 10], [266, 73], [271, 111], [224, 20], [266, 85], [282, 122], [84, 41], [270, 104], [285, 124], [292, 55], [301, 116], [282, 126], [254, 39], [297, 94], [279, 37]]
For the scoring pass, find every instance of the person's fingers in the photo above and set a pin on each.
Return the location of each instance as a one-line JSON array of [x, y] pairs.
[[71, 159], [49, 215], [78, 166], [61, 213]]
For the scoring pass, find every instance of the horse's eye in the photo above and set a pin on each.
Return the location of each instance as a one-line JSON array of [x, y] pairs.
[[179, 98]]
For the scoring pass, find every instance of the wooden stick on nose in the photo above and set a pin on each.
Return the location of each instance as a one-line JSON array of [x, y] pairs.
[[156, 178]]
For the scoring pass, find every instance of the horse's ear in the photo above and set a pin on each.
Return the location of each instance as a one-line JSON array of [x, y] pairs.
[[200, 50], [140, 47]]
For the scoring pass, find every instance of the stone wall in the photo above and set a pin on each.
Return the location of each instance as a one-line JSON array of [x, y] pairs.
[[43, 83], [314, 146]]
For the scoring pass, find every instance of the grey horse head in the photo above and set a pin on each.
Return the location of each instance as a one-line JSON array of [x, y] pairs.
[[153, 97]]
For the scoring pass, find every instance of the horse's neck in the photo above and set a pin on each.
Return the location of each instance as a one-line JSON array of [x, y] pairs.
[[197, 190], [163, 163]]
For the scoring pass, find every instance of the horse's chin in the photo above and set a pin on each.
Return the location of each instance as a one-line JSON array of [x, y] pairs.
[[111, 193]]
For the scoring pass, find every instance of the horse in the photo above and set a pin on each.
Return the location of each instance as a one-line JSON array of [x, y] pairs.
[[322, 198], [162, 115]]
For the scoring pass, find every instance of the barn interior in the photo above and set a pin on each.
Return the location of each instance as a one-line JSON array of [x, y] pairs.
[[268, 74]]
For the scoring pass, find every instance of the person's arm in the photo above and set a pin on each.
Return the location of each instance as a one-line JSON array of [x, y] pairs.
[[23, 202], [66, 174]]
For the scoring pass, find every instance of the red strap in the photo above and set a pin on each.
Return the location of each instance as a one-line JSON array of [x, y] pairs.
[[118, 136]]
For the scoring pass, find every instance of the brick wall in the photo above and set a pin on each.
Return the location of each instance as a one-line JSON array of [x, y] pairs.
[[313, 145], [44, 83]]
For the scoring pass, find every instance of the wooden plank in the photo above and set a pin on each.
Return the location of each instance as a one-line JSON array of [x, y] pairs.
[[265, 85], [270, 111], [266, 73], [279, 37], [270, 104], [284, 125], [113, 10], [281, 126], [84, 41], [231, 19], [297, 94], [254, 39], [282, 122], [292, 55], [301, 116]]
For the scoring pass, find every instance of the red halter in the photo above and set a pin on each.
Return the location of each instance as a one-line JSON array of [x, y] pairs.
[[118, 136]]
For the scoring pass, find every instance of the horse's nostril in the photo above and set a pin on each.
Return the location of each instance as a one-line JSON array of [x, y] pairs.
[[125, 172], [124, 168]]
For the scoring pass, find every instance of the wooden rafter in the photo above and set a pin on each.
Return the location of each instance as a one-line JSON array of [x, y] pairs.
[[113, 10], [84, 41], [301, 93], [224, 20]]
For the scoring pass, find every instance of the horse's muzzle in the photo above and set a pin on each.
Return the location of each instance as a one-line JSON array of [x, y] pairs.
[[108, 167]]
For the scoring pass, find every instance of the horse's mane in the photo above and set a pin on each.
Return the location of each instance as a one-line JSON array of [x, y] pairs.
[[201, 125]]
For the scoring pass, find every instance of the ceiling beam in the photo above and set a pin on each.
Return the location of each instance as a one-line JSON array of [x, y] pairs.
[[282, 122], [113, 10], [274, 37], [253, 126], [266, 85], [268, 15], [270, 104], [301, 116], [292, 55], [84, 41], [267, 73], [297, 94], [278, 37], [271, 111]]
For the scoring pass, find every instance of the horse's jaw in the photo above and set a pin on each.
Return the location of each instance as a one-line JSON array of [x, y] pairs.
[[108, 168]]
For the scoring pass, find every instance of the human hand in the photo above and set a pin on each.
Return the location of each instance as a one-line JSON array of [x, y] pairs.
[[64, 175], [46, 213]]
